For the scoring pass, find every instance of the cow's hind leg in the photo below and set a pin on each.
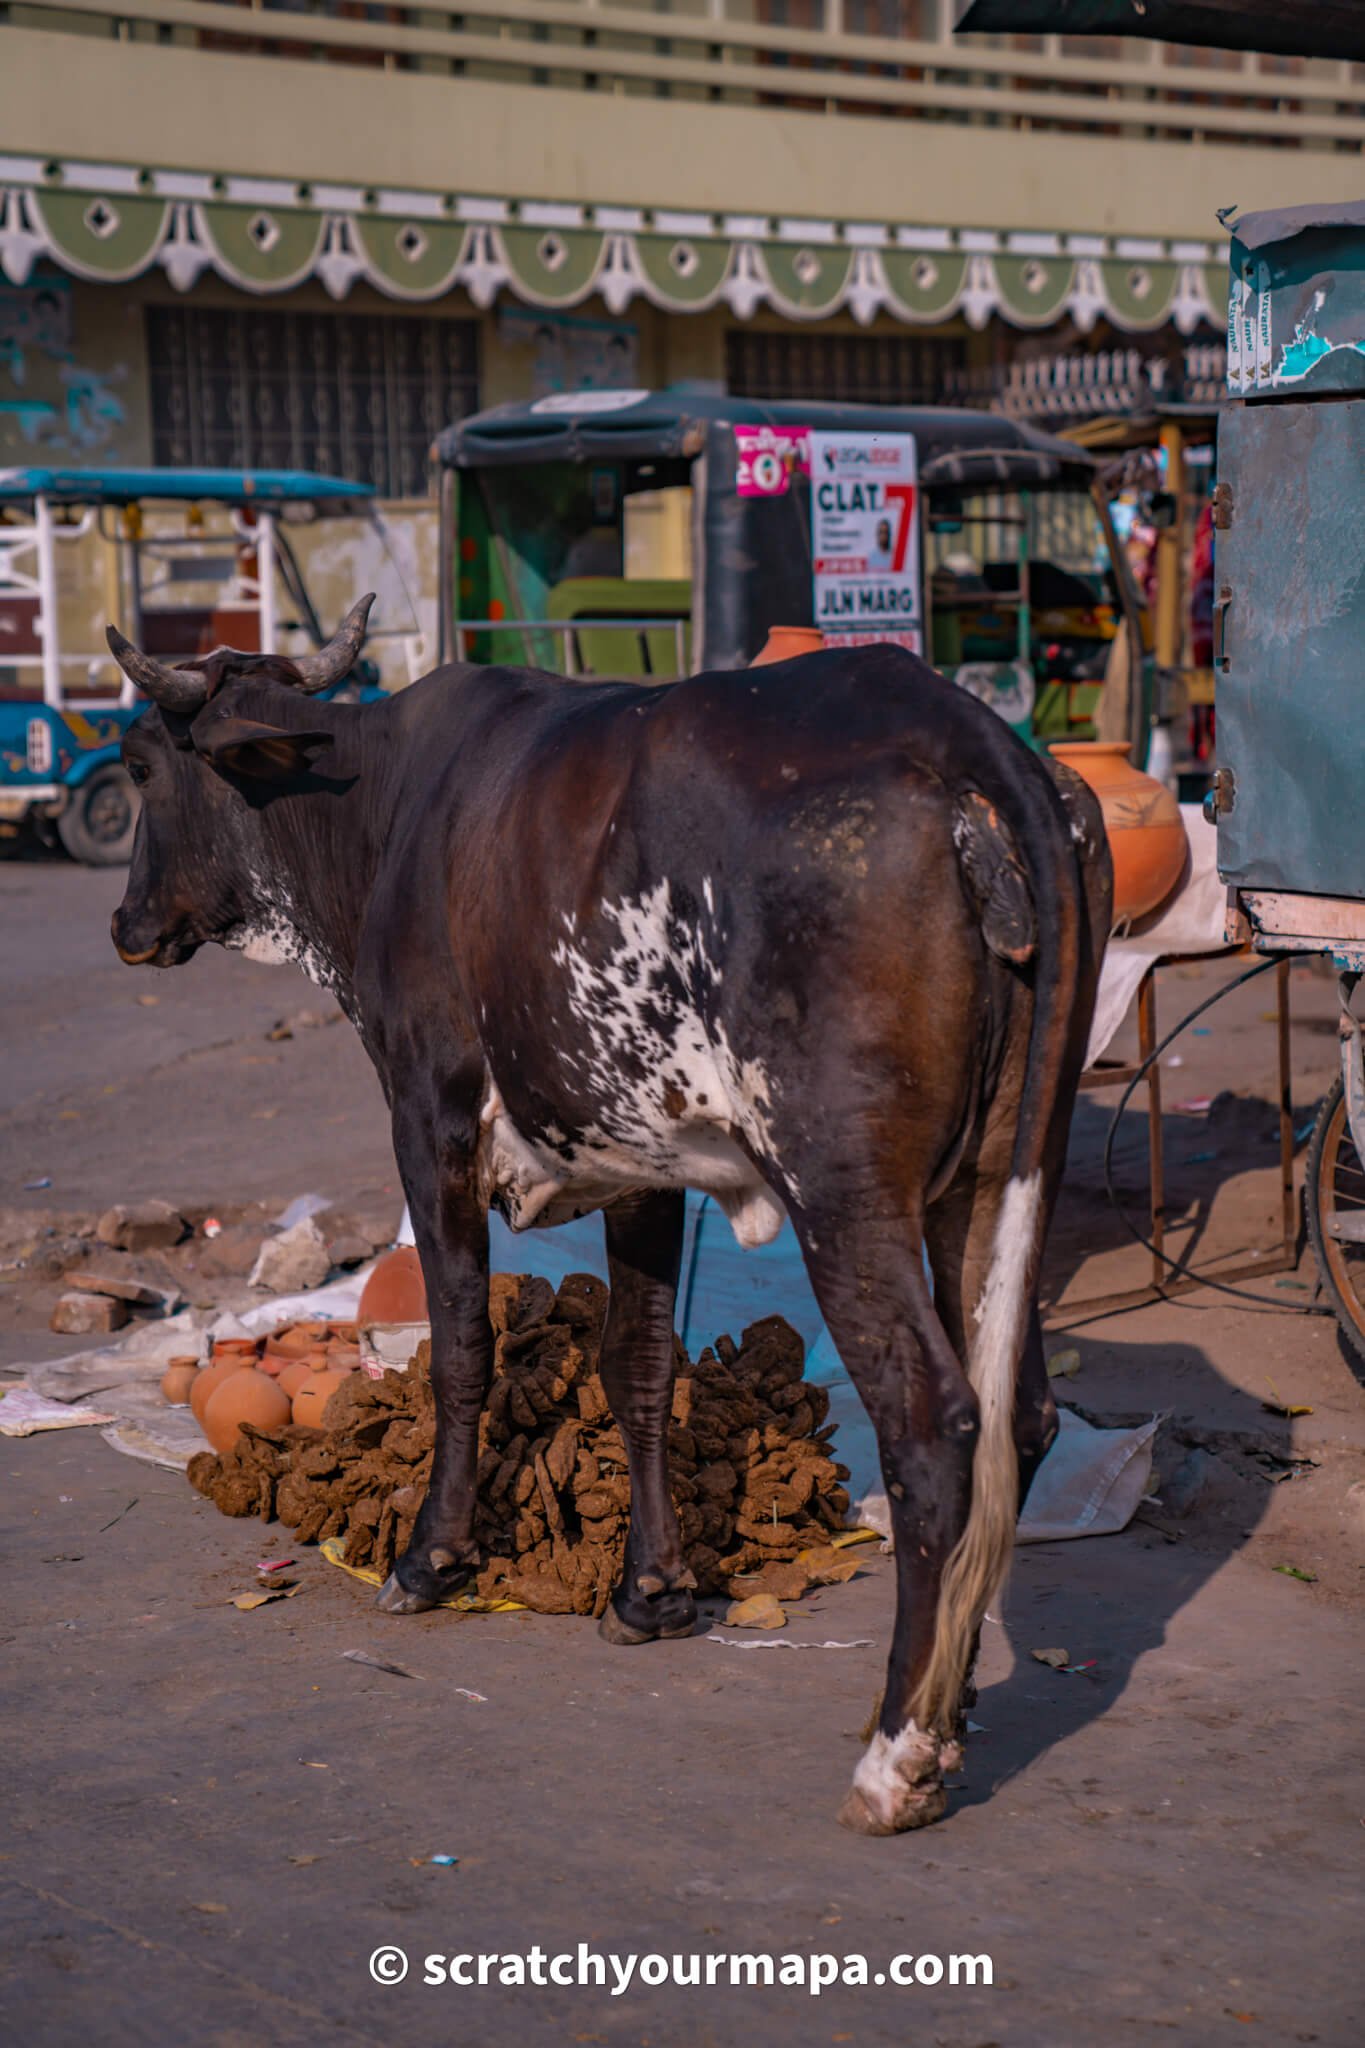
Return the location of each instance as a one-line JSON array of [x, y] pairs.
[[644, 1251], [869, 1280], [959, 1235]]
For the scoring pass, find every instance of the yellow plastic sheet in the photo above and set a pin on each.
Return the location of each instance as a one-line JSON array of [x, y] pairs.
[[463, 1603]]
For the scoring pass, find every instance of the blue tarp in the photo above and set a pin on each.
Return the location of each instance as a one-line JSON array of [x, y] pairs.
[[722, 1288]]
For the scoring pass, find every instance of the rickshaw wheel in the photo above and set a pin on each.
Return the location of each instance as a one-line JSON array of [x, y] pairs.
[[98, 824], [1335, 1186]]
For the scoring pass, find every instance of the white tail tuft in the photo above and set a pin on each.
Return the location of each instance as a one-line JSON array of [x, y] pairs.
[[980, 1559]]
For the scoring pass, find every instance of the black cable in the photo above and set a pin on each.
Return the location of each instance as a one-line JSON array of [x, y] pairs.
[[1179, 1265]]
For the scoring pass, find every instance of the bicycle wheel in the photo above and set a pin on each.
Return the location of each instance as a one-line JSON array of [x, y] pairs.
[[1334, 1192]]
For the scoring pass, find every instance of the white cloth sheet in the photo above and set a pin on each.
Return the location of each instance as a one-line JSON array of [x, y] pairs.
[[1191, 920]]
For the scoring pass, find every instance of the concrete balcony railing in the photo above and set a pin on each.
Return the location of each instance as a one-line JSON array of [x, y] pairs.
[[821, 56]]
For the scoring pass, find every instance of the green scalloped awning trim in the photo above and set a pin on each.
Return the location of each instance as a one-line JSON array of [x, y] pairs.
[[809, 278], [658, 259], [415, 258], [1217, 283], [270, 248], [553, 266], [132, 231], [284, 256], [1139, 292], [925, 283], [1034, 289]]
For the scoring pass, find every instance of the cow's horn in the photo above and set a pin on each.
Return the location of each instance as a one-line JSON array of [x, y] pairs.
[[174, 689], [319, 671]]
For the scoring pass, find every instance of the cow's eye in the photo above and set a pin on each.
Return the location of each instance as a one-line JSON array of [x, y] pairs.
[[138, 772]]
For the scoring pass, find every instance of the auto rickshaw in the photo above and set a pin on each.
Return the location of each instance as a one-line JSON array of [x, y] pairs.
[[649, 535], [1289, 576], [180, 584]]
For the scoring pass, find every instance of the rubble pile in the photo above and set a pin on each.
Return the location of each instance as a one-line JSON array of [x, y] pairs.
[[749, 1460]]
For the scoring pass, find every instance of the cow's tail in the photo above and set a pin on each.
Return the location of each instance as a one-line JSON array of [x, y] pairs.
[[979, 1563]]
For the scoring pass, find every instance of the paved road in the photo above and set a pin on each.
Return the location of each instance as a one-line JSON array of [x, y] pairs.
[[214, 1819], [120, 1083]]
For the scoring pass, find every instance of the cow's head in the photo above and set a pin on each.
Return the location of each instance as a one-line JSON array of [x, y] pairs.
[[221, 740]]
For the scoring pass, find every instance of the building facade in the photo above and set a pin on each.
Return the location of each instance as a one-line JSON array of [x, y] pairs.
[[275, 233]]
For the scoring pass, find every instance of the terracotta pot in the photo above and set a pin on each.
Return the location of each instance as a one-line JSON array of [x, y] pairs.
[[236, 1347], [395, 1291], [225, 1363], [246, 1396], [1141, 818], [294, 1373], [316, 1391], [296, 1340], [784, 643], [177, 1380]]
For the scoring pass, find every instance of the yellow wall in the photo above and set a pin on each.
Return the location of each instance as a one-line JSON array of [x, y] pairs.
[[142, 103]]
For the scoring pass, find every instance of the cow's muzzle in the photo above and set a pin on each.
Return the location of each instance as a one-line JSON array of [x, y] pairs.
[[132, 946]]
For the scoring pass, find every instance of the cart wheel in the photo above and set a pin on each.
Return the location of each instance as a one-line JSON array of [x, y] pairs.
[[98, 824], [1334, 1190]]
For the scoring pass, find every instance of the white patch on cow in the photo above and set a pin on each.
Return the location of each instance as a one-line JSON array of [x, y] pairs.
[[684, 1121], [272, 938], [512, 1168], [897, 1773]]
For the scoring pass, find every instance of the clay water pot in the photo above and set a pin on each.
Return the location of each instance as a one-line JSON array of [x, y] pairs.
[[395, 1291], [293, 1375], [245, 1396], [785, 642], [177, 1380], [1141, 820], [296, 1340], [227, 1360], [316, 1391]]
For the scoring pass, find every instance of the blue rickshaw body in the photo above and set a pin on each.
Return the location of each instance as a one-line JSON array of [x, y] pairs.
[[56, 741]]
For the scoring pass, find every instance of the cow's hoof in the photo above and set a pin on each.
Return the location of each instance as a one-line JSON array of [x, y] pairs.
[[860, 1817], [415, 1583], [898, 1785], [394, 1598], [619, 1633], [665, 1619]]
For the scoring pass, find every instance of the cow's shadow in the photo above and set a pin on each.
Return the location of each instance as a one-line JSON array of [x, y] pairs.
[[1239, 1134], [1110, 1600]]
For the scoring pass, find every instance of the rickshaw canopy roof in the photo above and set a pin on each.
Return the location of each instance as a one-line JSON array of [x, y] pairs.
[[221, 486], [953, 446], [1326, 28], [1281, 223]]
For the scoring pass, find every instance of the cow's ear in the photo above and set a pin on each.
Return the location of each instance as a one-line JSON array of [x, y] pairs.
[[267, 753]]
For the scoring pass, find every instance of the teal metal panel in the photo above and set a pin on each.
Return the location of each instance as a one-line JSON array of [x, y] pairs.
[[1296, 310], [1290, 582], [268, 487]]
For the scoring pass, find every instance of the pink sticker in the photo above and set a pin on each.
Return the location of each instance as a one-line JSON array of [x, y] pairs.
[[768, 458]]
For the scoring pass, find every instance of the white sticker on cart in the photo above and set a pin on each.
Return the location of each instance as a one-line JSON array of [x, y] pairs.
[[865, 538], [1265, 367]]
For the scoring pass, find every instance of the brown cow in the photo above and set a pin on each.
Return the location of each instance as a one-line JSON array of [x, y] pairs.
[[820, 939]]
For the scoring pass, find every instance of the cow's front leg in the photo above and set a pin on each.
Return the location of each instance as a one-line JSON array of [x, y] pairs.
[[644, 1251], [451, 1227]]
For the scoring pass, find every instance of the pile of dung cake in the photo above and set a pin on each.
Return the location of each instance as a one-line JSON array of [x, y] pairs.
[[748, 1452]]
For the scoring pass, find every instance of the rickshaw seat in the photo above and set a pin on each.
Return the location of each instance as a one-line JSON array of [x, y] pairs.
[[614, 651]]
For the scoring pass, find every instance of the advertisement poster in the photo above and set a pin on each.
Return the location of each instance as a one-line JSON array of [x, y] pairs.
[[768, 457], [865, 545]]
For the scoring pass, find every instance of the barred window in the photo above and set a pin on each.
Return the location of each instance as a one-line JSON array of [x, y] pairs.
[[357, 395], [859, 369]]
